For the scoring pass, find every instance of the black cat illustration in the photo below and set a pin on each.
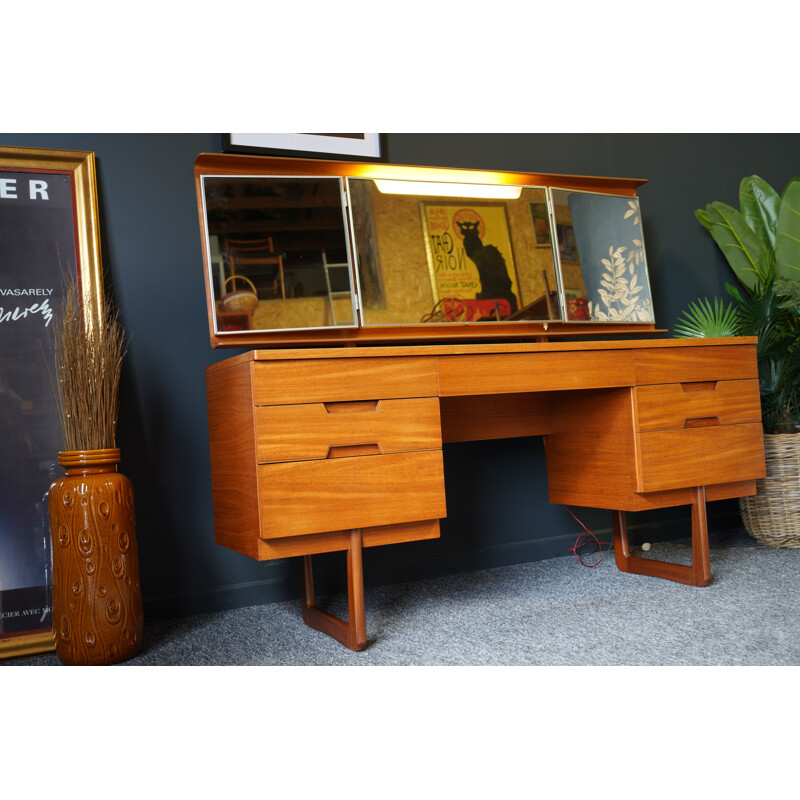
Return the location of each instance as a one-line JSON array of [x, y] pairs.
[[492, 270]]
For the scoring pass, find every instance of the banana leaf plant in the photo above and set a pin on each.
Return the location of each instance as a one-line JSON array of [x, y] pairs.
[[761, 243]]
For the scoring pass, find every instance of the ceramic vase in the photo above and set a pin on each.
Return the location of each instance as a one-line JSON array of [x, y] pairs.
[[97, 599]]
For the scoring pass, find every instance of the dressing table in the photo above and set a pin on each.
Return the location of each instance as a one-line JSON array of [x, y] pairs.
[[455, 317]]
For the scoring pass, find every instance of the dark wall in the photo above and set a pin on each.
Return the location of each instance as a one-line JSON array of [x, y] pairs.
[[498, 511]]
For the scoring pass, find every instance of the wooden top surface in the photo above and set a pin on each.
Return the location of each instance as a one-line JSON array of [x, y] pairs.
[[396, 351]]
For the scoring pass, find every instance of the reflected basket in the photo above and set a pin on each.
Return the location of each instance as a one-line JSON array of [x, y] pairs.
[[239, 299]]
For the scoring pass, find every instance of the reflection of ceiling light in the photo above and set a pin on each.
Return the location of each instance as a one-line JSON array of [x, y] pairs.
[[497, 191]]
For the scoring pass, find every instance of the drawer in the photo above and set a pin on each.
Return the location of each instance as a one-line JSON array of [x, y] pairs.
[[686, 364], [301, 497], [496, 373], [686, 405], [336, 379], [329, 430], [700, 456]]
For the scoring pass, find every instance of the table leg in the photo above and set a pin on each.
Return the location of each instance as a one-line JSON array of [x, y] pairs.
[[353, 632], [698, 573]]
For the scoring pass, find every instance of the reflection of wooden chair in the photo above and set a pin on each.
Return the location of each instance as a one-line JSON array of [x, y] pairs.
[[254, 258]]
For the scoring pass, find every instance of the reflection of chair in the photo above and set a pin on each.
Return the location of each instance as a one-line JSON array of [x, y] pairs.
[[256, 259]]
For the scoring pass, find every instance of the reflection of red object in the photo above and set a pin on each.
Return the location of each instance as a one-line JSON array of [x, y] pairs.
[[577, 308], [473, 310]]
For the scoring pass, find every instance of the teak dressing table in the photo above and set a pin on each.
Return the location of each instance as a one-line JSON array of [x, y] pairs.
[[329, 438]]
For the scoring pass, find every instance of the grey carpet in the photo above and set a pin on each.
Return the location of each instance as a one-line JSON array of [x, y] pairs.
[[554, 612]]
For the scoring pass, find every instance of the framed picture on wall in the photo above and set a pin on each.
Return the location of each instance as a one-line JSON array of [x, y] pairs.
[[48, 226], [567, 247], [470, 260], [345, 146], [541, 224]]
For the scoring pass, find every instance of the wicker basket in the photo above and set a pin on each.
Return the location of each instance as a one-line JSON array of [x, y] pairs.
[[241, 299], [772, 516]]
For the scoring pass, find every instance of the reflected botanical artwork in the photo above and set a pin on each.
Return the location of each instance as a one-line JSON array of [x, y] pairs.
[[612, 257], [621, 291]]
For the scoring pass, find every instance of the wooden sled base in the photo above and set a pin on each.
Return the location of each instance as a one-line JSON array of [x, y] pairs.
[[698, 573], [353, 632]]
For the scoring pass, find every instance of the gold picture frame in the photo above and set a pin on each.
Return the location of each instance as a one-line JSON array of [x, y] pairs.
[[49, 223]]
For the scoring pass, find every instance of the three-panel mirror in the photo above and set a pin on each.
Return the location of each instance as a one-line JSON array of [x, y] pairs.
[[295, 252]]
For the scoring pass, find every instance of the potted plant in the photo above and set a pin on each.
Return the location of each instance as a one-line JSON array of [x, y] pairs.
[[761, 243]]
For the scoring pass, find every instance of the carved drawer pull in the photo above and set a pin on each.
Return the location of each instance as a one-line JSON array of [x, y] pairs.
[[701, 422], [352, 407], [700, 386], [346, 450]]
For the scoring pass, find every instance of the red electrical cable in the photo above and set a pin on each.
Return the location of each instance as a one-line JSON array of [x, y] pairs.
[[580, 543]]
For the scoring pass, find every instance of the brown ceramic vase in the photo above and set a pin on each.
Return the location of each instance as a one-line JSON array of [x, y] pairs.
[[97, 600]]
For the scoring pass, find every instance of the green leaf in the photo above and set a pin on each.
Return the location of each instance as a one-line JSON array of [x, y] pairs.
[[745, 252], [787, 241], [761, 314], [788, 185], [760, 205], [734, 292], [702, 218], [789, 293], [701, 320]]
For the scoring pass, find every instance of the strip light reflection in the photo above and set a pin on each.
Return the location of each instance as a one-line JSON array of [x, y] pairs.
[[430, 188]]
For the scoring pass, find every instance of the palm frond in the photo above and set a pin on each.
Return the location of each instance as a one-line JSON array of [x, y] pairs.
[[702, 320]]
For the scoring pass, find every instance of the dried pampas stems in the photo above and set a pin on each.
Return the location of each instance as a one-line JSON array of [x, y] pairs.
[[89, 348]]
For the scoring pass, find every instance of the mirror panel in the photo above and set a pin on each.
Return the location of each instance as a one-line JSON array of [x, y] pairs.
[[602, 261], [430, 257], [278, 252]]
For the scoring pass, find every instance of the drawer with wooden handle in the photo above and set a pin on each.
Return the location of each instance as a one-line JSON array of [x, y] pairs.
[[674, 459], [697, 404], [356, 427], [688, 364], [302, 497], [337, 379]]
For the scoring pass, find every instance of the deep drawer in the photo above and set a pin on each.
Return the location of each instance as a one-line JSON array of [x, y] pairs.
[[329, 430], [336, 379], [301, 497], [700, 456], [676, 405]]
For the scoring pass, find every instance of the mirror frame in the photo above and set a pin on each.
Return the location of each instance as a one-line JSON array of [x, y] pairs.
[[217, 164]]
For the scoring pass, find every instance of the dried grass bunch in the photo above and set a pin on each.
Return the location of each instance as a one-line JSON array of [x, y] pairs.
[[89, 348]]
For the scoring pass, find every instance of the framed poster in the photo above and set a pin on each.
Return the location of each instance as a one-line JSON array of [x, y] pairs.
[[361, 146], [470, 259], [48, 225]]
